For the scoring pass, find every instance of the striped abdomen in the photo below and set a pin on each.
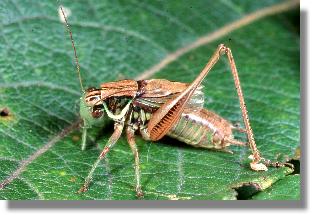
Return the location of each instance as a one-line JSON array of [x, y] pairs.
[[202, 128]]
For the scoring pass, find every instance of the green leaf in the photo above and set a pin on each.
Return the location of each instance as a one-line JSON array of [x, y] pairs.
[[285, 189], [40, 154]]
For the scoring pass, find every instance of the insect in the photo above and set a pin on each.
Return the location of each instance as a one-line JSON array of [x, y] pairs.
[[158, 107]]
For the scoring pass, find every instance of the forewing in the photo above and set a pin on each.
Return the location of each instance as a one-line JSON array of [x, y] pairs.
[[158, 91]]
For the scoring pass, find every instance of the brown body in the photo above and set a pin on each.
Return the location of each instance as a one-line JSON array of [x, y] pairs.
[[196, 126]]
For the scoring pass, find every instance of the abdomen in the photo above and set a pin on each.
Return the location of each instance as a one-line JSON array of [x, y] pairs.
[[201, 128]]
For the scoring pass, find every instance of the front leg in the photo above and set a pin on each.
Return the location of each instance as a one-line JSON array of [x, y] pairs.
[[111, 142]]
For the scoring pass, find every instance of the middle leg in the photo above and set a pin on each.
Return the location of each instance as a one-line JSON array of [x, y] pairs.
[[134, 149]]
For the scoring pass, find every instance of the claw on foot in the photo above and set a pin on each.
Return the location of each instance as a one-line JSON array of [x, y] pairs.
[[83, 189], [139, 193], [290, 165], [278, 164]]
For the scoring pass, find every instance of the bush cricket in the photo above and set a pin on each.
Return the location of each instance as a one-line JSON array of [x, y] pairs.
[[158, 107]]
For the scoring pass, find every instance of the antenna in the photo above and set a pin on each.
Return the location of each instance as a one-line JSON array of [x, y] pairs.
[[73, 45]]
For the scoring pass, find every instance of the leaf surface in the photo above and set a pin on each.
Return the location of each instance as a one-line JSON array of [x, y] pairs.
[[285, 189], [40, 157]]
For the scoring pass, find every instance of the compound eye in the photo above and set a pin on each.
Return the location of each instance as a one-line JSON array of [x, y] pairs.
[[93, 98], [97, 113]]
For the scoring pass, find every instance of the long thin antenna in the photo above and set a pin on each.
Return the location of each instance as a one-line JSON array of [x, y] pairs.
[[73, 45]]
